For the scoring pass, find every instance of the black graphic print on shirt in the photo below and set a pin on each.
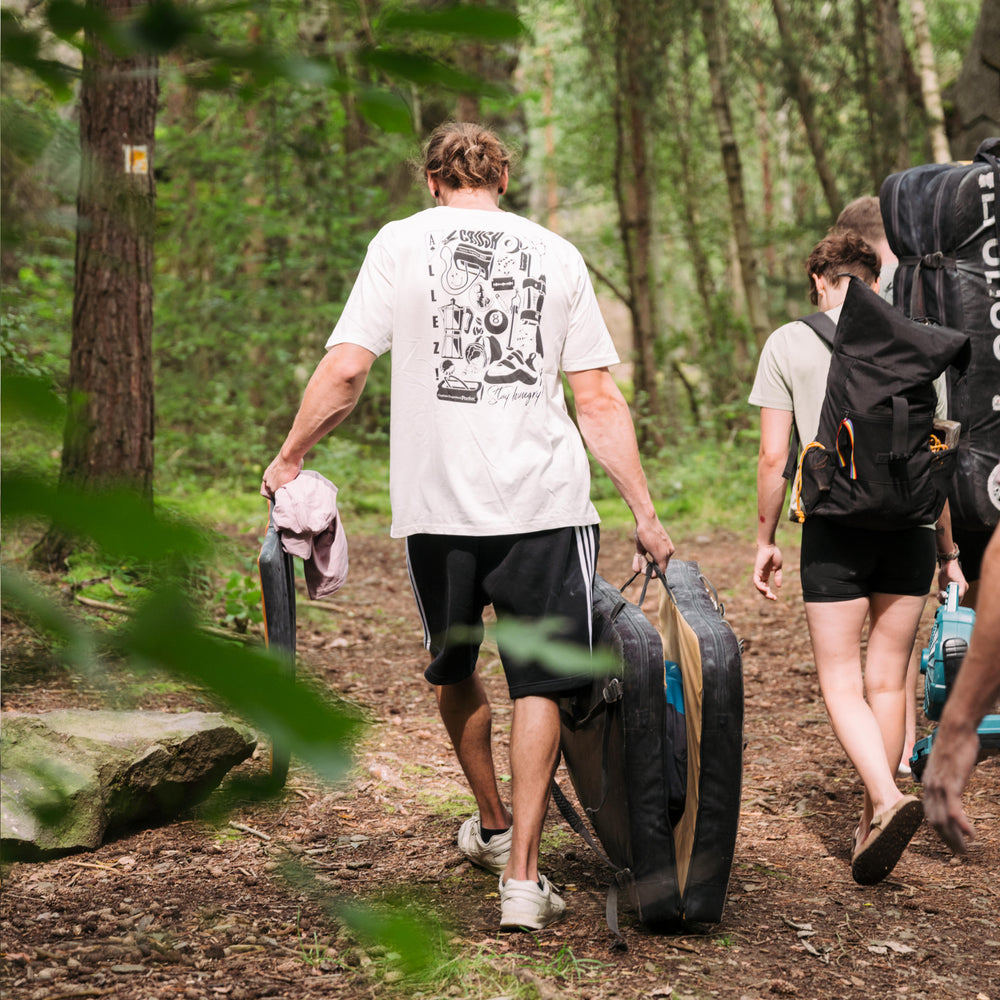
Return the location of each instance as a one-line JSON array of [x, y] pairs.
[[487, 289]]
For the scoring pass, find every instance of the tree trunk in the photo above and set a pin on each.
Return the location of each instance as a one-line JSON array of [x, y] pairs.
[[627, 44], [799, 89], [976, 95], [635, 194], [345, 34], [867, 88], [686, 179], [722, 348], [766, 175], [109, 435], [718, 72], [893, 93], [930, 86]]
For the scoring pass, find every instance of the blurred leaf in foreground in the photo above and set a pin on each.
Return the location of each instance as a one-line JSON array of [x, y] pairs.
[[251, 681]]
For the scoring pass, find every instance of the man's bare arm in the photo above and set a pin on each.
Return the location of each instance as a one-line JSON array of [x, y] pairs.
[[331, 394], [606, 426]]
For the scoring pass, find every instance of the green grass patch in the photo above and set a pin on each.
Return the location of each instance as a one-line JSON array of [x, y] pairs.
[[770, 872], [563, 966], [214, 507], [455, 969], [419, 771], [558, 838], [447, 805]]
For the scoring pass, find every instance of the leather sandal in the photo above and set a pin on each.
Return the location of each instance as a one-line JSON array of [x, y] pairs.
[[891, 830]]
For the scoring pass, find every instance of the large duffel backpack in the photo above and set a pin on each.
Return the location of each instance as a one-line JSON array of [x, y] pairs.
[[660, 787], [941, 221]]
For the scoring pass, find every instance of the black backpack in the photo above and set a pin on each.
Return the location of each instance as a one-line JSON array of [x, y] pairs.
[[942, 222], [877, 461]]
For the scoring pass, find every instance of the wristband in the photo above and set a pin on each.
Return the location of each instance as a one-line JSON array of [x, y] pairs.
[[947, 556]]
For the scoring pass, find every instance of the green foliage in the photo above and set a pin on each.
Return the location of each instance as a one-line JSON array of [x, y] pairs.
[[165, 631], [26, 394], [487, 24], [313, 952], [21, 46], [536, 641], [482, 974], [219, 58], [696, 482], [31, 445], [120, 523], [40, 152], [574, 62], [241, 598], [563, 965], [103, 581], [76, 646]]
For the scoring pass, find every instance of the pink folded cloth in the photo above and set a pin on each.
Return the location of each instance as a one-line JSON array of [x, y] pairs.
[[305, 514]]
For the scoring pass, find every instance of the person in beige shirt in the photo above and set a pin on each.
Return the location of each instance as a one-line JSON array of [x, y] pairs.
[[849, 575]]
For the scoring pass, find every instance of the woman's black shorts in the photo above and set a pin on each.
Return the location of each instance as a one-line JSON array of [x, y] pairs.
[[841, 563], [543, 575]]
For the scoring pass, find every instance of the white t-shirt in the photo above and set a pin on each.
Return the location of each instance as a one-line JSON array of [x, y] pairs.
[[482, 311]]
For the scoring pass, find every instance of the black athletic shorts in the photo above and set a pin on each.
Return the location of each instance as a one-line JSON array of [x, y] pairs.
[[542, 575], [841, 563]]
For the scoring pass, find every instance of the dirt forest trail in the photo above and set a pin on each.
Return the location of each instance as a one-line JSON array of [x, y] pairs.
[[200, 908]]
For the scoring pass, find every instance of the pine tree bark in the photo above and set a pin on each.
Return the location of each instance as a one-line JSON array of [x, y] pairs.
[[711, 19], [108, 439]]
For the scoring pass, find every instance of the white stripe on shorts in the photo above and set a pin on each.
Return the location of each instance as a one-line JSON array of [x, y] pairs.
[[586, 548], [416, 597]]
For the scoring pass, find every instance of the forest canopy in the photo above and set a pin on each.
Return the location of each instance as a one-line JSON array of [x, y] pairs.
[[694, 152]]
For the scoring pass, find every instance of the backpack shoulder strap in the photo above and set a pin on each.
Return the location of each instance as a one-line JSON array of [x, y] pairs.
[[822, 325], [622, 876], [824, 328]]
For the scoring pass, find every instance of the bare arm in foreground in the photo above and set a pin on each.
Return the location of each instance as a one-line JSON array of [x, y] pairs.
[[606, 426], [956, 742]]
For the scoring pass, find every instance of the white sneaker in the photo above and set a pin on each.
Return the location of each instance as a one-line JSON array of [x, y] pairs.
[[492, 856], [524, 905]]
